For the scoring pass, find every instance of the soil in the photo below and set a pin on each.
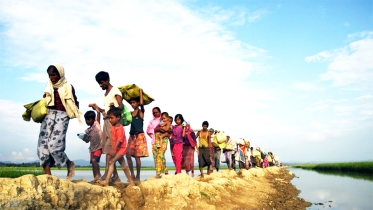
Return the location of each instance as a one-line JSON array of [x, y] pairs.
[[273, 191]]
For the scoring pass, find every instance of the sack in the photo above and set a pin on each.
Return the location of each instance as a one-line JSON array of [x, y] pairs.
[[37, 111], [220, 137], [132, 91], [222, 158], [126, 116], [230, 145], [247, 143]]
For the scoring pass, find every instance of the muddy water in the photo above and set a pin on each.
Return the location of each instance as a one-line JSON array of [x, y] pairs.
[[334, 191]]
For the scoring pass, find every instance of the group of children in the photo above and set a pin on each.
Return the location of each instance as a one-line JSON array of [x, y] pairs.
[[111, 140]]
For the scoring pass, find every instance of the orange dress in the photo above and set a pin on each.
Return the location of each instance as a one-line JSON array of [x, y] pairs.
[[117, 134]]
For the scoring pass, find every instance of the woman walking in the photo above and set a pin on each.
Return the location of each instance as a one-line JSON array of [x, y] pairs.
[[62, 105]]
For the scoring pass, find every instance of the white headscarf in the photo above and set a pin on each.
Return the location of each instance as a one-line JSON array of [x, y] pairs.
[[65, 91]]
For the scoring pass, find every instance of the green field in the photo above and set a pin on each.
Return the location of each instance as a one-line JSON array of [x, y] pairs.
[[358, 167], [14, 172]]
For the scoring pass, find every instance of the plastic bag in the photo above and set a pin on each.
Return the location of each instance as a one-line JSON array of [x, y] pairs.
[[36, 110], [222, 158], [220, 137], [132, 91], [126, 116]]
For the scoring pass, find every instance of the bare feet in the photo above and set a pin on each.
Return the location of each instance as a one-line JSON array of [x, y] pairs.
[[166, 171], [158, 176], [192, 173], [114, 179], [70, 170], [102, 183]]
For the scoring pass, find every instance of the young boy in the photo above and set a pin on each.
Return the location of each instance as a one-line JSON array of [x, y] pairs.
[[94, 136], [118, 142], [203, 151], [137, 146], [112, 98]]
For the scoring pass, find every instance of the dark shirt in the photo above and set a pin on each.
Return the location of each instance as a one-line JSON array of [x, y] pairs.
[[58, 103], [137, 124]]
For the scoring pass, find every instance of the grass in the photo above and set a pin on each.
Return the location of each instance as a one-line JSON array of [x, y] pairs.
[[14, 172], [357, 167]]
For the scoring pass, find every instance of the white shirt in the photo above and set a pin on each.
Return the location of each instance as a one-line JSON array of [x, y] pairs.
[[110, 98]]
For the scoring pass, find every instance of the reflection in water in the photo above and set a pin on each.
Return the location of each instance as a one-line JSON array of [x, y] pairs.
[[354, 175], [340, 192]]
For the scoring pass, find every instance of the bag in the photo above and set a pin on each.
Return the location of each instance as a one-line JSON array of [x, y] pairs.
[[191, 136], [230, 145], [220, 137], [132, 91], [126, 116], [37, 111], [222, 158], [247, 143]]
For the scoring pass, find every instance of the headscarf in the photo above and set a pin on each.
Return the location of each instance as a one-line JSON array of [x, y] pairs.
[[65, 91]]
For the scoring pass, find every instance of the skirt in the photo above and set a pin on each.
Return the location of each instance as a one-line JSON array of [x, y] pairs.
[[52, 139]]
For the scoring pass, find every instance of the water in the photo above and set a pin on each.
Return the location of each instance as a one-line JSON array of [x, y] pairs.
[[343, 192]]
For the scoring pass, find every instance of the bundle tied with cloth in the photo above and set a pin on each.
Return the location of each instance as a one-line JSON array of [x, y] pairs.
[[219, 140], [38, 109], [132, 91]]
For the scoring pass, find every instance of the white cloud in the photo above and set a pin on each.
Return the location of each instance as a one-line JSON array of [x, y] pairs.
[[350, 65], [305, 86], [257, 15]]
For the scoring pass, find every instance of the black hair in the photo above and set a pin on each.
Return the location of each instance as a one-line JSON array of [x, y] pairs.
[[205, 123], [137, 99], [102, 76], [157, 108], [115, 111], [90, 115], [165, 113], [179, 116], [54, 69]]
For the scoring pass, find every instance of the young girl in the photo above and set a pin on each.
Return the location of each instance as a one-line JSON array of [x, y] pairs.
[[161, 132], [118, 142], [178, 135]]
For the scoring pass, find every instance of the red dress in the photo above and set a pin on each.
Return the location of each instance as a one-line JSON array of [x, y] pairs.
[[117, 134]]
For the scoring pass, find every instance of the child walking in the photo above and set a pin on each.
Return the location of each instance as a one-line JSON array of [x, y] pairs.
[[137, 146], [94, 137], [118, 142]]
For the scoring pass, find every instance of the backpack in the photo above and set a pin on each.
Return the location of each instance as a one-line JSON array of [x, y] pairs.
[[126, 116]]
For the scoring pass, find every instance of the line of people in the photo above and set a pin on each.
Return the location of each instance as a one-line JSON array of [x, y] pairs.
[[111, 140]]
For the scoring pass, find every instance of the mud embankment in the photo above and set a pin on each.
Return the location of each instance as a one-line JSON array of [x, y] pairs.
[[256, 188]]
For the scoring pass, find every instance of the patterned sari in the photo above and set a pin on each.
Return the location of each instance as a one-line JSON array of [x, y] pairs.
[[159, 158], [52, 139]]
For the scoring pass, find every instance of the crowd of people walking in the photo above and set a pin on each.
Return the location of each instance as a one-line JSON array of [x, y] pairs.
[[213, 147]]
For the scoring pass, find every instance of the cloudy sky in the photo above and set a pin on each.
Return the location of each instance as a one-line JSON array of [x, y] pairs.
[[293, 77]]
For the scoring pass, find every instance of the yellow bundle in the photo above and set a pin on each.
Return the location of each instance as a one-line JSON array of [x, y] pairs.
[[132, 91], [36, 110]]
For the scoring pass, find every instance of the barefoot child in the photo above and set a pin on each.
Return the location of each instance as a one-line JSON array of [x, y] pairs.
[[118, 142], [162, 131], [94, 136], [137, 146]]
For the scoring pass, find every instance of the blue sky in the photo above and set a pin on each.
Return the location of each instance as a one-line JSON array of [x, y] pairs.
[[293, 77]]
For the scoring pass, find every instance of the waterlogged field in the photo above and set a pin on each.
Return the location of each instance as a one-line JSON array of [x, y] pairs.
[[14, 172], [359, 167]]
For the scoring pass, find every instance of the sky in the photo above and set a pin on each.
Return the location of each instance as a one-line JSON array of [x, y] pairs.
[[292, 77]]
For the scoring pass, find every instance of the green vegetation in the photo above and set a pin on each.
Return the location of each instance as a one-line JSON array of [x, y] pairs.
[[359, 167], [14, 172]]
